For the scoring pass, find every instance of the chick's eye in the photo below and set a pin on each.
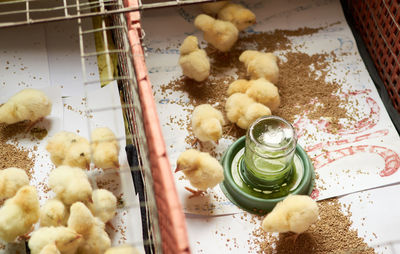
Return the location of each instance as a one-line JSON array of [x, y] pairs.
[[71, 241], [82, 154]]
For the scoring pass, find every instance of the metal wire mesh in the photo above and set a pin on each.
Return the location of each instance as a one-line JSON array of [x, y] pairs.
[[23, 12], [131, 108]]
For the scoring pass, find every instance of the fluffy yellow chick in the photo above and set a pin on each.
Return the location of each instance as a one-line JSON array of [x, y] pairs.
[[53, 213], [221, 34], [97, 240], [261, 65], [124, 249], [238, 86], [78, 154], [194, 61], [81, 220], [104, 204], [58, 145], [105, 148], [50, 248], [295, 213], [213, 8], [27, 105], [243, 110], [200, 168], [207, 123], [11, 180], [238, 15], [70, 185], [261, 90], [19, 213], [67, 148], [66, 240], [264, 92]]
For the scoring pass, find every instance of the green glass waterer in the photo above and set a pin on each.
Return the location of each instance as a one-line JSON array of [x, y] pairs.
[[265, 166]]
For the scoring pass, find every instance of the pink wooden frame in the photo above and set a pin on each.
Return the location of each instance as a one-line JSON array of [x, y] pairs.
[[170, 213]]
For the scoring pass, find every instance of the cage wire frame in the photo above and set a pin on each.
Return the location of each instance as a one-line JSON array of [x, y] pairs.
[[131, 109], [65, 10]]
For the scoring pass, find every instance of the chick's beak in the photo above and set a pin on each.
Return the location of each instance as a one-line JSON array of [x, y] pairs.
[[178, 169]]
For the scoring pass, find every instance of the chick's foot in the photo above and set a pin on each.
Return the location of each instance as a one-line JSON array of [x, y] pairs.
[[31, 124], [293, 238], [26, 236], [194, 142], [195, 193]]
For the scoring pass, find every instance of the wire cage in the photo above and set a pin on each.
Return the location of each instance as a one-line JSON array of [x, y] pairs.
[[23, 12]]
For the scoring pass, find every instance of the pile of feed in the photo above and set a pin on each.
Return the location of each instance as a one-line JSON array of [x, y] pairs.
[[11, 154], [332, 233]]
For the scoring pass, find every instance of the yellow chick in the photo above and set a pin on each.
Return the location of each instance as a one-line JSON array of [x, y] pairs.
[[11, 180], [78, 154], [19, 213], [261, 65], [104, 205], [66, 240], [221, 34], [261, 90], [67, 148], [105, 148], [81, 220], [194, 61], [200, 168], [243, 110], [124, 249], [27, 105], [53, 213], [213, 8], [238, 86], [207, 123], [70, 185], [238, 15], [295, 213], [58, 145], [97, 240], [50, 248]]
